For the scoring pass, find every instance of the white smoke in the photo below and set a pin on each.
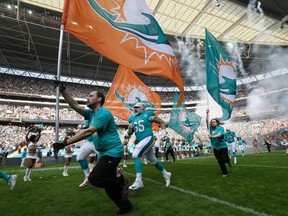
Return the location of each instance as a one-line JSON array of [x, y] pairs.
[[254, 12], [276, 101], [191, 64], [235, 52]]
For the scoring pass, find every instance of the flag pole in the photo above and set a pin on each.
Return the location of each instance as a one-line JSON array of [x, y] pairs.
[[58, 78], [207, 114], [207, 99]]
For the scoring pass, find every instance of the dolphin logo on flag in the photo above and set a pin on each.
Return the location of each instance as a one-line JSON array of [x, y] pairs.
[[125, 32], [183, 121], [150, 32], [126, 90], [221, 77], [135, 99]]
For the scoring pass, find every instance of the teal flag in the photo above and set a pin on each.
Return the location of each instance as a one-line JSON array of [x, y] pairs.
[[182, 121], [221, 77]]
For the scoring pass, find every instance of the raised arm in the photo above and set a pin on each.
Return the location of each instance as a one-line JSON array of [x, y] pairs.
[[26, 137], [73, 103], [207, 119], [68, 98], [39, 135]]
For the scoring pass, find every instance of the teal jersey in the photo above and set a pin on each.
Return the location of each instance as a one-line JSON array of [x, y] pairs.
[[219, 142], [241, 142], [169, 145], [87, 124], [106, 140], [142, 125], [230, 137]]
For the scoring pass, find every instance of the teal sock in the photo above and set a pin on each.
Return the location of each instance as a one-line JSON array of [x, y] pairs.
[[4, 176], [138, 165], [83, 164], [234, 154], [159, 166]]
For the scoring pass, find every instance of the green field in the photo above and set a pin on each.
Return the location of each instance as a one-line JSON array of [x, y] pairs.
[[257, 185]]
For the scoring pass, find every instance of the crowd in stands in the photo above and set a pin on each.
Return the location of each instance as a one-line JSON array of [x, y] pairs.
[[275, 128], [28, 85], [12, 136], [33, 112], [48, 113]]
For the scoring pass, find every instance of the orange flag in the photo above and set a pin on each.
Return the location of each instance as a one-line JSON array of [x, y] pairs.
[[126, 32], [126, 90]]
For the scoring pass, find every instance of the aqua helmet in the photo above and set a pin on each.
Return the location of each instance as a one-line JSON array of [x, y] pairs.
[[139, 108]]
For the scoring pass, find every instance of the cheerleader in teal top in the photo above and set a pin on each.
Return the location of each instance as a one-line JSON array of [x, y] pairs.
[[216, 135]]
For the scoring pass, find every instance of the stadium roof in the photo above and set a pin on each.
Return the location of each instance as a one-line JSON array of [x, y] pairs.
[[29, 37]]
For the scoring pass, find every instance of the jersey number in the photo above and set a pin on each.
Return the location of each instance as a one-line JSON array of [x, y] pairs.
[[139, 126]]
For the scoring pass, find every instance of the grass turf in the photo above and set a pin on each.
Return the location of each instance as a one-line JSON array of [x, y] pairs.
[[255, 186]]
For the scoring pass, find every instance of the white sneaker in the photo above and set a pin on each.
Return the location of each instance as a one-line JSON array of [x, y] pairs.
[[84, 183], [25, 178], [12, 181], [167, 178], [65, 174], [136, 185], [124, 165]]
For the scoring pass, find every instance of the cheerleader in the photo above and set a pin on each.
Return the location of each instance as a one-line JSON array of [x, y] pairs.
[[32, 147]]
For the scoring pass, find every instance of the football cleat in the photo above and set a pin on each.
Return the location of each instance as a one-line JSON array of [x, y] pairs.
[[167, 178], [12, 181], [84, 183], [136, 185]]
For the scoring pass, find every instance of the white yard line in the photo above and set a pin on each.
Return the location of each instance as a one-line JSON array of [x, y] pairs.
[[237, 165], [212, 199]]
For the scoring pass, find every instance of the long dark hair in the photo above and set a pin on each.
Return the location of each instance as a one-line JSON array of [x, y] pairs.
[[32, 138], [217, 120]]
